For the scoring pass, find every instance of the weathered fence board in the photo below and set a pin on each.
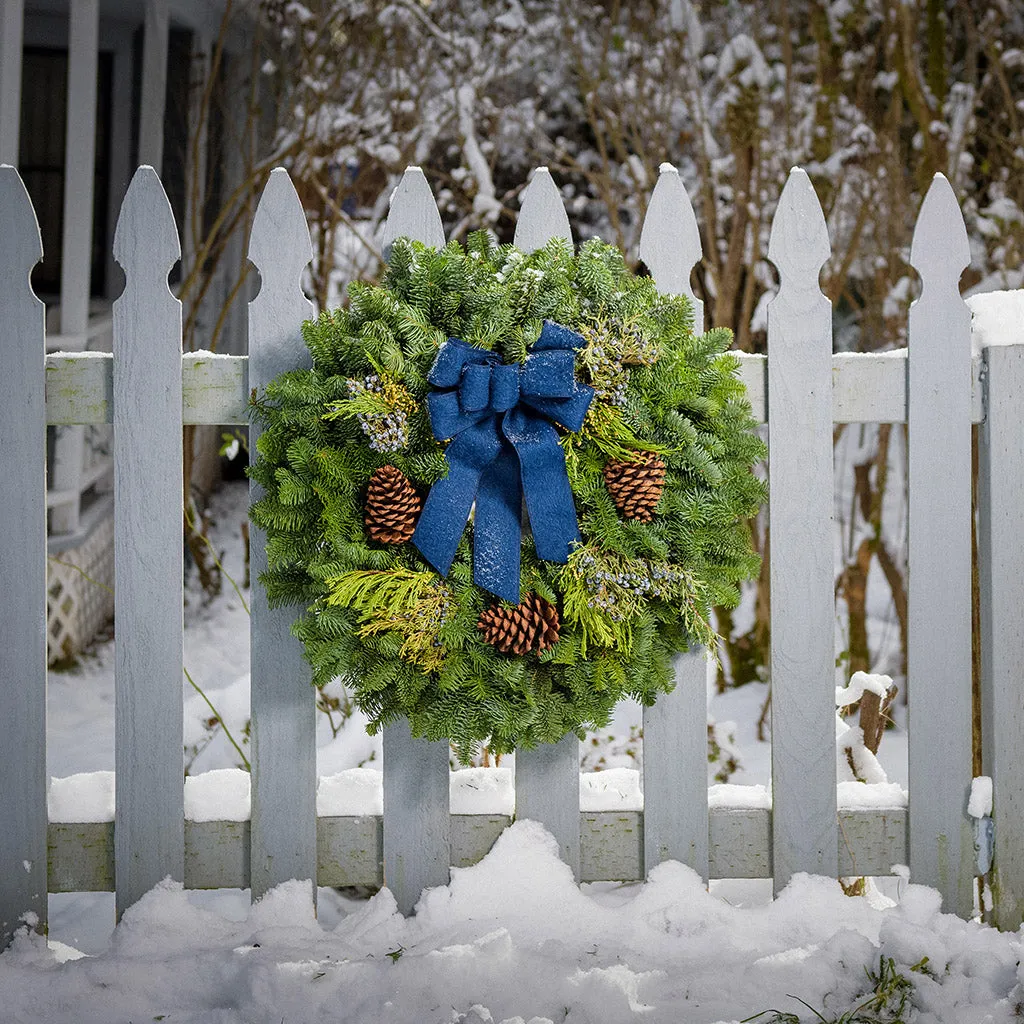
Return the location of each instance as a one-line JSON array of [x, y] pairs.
[[800, 518], [870, 841], [148, 569], [542, 215], [416, 801], [670, 240], [547, 777], [413, 213], [866, 388], [416, 817], [283, 706], [939, 562], [675, 729], [22, 569], [675, 769], [1001, 571]]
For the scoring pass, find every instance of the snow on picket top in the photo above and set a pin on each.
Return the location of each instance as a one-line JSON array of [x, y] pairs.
[[675, 728], [800, 482], [283, 836], [939, 557], [22, 559], [547, 777], [417, 826], [149, 840]]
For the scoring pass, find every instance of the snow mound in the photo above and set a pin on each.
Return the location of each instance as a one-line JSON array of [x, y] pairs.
[[510, 939]]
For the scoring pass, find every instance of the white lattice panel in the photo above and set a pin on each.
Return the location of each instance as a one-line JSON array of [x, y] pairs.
[[80, 591]]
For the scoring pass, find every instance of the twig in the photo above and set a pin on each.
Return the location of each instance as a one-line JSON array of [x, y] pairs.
[[216, 558], [80, 570], [219, 717]]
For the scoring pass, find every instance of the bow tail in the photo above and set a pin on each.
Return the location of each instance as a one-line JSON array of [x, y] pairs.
[[545, 484], [497, 528], [446, 510]]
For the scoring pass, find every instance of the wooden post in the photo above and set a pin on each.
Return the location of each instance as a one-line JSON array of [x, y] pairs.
[[939, 592], [1001, 572], [22, 569], [417, 826], [76, 251], [548, 777], [12, 21], [148, 571], [804, 835], [283, 843], [154, 83], [675, 729]]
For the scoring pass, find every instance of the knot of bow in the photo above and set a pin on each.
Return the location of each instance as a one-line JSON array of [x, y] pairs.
[[503, 448]]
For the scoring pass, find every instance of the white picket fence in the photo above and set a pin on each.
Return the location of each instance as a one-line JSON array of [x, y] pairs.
[[148, 389]]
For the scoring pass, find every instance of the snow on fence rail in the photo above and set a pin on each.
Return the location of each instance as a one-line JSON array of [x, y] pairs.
[[148, 389]]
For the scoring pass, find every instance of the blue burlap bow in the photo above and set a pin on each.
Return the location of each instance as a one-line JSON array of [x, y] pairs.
[[503, 448]]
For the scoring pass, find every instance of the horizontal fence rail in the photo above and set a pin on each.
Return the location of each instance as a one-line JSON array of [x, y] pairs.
[[350, 849], [800, 389], [866, 387]]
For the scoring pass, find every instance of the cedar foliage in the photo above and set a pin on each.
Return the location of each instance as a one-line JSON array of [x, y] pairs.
[[406, 641]]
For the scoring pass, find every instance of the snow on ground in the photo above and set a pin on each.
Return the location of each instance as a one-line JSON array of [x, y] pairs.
[[510, 939], [513, 939]]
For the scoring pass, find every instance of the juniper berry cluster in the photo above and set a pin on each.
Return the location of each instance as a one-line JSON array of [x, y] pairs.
[[617, 590], [388, 431]]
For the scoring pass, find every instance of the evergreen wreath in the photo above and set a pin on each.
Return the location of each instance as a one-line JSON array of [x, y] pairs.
[[659, 470]]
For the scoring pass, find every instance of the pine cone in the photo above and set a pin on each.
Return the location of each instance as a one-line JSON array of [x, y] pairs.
[[532, 625], [392, 506], [636, 487]]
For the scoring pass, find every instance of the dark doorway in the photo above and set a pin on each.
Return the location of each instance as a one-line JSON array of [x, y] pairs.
[[41, 161]]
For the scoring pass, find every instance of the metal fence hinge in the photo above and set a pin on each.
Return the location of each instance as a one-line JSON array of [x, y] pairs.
[[984, 843]]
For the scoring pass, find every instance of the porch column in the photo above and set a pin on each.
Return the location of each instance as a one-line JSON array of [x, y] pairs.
[[154, 84], [195, 155], [76, 255], [12, 19], [120, 149], [238, 155]]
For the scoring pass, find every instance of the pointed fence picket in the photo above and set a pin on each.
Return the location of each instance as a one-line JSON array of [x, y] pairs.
[[939, 576], [547, 777], [283, 831], [148, 569], [670, 243], [413, 213], [675, 728], [417, 823], [800, 518], [147, 388], [22, 568]]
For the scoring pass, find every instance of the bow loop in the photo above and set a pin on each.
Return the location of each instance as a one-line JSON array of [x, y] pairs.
[[475, 387], [503, 449], [504, 387]]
